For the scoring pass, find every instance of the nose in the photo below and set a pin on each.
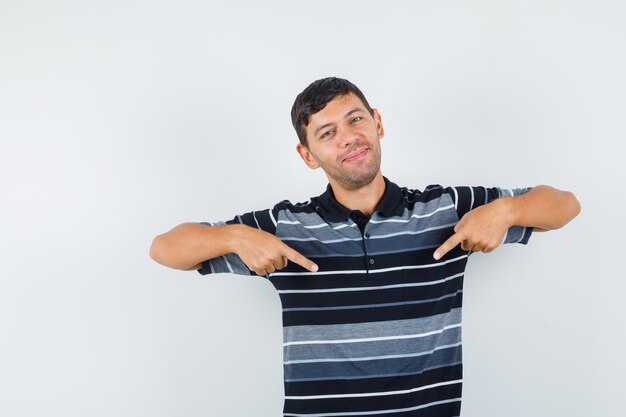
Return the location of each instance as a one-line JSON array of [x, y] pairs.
[[347, 137]]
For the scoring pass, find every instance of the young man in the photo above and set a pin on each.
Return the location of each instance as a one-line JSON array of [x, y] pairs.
[[372, 296]]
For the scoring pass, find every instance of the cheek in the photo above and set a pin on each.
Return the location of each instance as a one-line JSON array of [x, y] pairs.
[[321, 155], [325, 150], [368, 131]]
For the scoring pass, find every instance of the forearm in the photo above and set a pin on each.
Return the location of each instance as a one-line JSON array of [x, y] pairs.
[[189, 244], [543, 206]]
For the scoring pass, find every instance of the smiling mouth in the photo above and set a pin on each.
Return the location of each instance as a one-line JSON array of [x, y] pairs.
[[356, 156]]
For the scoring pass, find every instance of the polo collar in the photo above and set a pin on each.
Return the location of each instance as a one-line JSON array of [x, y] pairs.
[[391, 204]]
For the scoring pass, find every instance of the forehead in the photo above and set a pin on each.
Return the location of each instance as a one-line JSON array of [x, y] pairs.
[[335, 109]]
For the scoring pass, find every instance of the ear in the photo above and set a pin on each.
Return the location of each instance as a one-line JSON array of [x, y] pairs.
[[307, 156], [379, 124]]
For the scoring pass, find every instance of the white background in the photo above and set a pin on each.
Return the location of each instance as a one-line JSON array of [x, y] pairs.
[[120, 120]]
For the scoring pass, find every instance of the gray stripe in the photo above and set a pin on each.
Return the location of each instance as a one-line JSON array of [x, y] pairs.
[[514, 234], [332, 370], [237, 265], [375, 357], [228, 263], [414, 232], [375, 232], [456, 198], [511, 192], [396, 244], [315, 248], [316, 226], [230, 269], [403, 346], [432, 214], [430, 368]]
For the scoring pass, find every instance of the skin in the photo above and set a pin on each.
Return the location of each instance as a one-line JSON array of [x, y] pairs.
[[337, 131]]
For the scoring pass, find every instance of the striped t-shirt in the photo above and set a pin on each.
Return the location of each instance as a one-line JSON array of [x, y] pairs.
[[376, 331]]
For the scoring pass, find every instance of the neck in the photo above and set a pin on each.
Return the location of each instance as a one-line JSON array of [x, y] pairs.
[[364, 199]]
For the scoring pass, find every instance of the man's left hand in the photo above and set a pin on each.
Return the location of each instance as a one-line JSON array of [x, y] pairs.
[[481, 229]]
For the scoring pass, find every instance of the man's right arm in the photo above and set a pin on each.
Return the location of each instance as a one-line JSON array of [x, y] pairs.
[[189, 244]]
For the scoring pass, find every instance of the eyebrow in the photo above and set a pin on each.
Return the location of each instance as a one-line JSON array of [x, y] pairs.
[[354, 110]]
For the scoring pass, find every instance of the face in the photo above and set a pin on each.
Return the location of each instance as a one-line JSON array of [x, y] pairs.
[[344, 139]]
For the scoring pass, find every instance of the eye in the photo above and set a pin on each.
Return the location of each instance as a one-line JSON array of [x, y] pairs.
[[358, 118], [326, 134]]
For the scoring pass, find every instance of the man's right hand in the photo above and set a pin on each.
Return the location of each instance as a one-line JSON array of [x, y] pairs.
[[264, 253]]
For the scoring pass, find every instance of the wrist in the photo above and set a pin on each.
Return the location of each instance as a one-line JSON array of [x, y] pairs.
[[234, 235], [509, 210]]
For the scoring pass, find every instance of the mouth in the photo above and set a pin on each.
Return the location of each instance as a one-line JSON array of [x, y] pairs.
[[358, 155]]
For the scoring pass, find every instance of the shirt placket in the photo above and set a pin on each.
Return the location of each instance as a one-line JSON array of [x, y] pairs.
[[361, 220]]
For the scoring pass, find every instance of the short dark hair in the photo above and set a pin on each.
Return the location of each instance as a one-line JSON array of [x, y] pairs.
[[315, 97]]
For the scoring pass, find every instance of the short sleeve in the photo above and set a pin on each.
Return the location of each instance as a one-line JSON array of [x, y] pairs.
[[467, 198], [231, 262]]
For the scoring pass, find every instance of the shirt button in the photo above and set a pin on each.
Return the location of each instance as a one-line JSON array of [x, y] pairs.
[[371, 261], [367, 235]]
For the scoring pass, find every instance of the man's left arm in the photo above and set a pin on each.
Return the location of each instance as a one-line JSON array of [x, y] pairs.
[[542, 207], [482, 229]]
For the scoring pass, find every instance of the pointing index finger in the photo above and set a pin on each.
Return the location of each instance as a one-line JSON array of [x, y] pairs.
[[446, 246], [300, 259]]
